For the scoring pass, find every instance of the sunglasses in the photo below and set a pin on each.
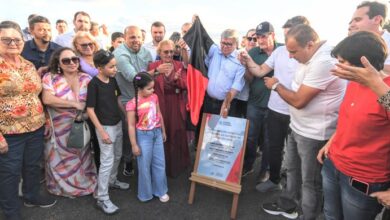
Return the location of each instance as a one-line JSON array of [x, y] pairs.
[[7, 40], [166, 52], [254, 39], [86, 45], [68, 60]]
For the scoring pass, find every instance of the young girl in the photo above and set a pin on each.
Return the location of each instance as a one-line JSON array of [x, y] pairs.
[[147, 133], [103, 108]]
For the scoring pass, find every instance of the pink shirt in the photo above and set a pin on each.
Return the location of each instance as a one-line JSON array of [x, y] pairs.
[[148, 117]]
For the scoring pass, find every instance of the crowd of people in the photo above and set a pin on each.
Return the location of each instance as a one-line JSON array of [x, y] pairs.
[[319, 112]]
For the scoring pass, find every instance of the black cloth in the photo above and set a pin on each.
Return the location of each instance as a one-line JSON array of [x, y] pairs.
[[37, 57], [103, 97]]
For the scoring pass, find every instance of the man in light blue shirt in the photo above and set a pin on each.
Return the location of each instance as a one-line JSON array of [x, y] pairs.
[[131, 58], [226, 76]]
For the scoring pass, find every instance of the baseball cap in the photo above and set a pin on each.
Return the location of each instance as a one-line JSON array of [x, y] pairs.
[[264, 27]]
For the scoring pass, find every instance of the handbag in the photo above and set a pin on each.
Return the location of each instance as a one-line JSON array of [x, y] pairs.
[[80, 134]]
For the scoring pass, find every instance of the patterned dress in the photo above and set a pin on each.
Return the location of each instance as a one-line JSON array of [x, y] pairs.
[[69, 172]]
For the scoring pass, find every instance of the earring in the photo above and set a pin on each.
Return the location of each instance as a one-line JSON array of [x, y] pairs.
[[59, 70]]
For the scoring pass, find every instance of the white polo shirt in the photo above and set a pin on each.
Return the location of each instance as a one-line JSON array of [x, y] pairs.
[[386, 38], [317, 120], [284, 69]]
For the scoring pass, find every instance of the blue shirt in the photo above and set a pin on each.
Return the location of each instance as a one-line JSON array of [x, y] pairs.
[[224, 72], [38, 58], [129, 63]]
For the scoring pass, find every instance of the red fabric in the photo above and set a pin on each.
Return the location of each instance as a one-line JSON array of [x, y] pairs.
[[234, 174], [172, 99], [197, 85], [361, 146]]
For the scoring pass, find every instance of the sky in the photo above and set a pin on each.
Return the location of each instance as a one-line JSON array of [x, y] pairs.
[[328, 17]]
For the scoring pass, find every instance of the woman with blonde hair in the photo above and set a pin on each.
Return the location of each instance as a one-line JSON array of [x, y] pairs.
[[86, 46]]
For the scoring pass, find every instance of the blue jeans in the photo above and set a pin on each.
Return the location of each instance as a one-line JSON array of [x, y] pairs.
[[24, 156], [257, 126], [303, 175], [152, 179], [342, 201]]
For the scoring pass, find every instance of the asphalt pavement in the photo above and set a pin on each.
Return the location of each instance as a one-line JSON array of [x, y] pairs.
[[209, 203]]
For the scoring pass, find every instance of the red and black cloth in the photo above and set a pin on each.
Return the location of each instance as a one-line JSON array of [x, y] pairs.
[[199, 42]]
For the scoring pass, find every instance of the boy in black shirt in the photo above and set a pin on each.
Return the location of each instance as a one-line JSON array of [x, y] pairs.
[[103, 107]]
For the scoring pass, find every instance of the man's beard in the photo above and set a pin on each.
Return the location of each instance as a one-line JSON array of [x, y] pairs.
[[45, 40]]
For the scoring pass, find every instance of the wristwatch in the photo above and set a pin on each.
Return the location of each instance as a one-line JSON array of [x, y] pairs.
[[275, 85], [156, 72]]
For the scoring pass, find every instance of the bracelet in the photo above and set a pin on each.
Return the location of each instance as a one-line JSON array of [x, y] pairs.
[[385, 100], [275, 85]]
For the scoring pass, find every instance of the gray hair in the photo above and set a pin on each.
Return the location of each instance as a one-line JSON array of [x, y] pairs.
[[230, 33]]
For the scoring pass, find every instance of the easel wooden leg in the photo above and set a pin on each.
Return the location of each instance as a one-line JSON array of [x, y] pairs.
[[192, 193], [233, 212]]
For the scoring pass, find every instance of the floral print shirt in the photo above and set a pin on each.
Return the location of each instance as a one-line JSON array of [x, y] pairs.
[[21, 109]]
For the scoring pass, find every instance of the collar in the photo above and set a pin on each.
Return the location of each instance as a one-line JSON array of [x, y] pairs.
[[131, 50], [33, 45], [233, 54], [324, 47]]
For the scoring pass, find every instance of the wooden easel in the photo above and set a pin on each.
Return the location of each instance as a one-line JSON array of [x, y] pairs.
[[195, 178]]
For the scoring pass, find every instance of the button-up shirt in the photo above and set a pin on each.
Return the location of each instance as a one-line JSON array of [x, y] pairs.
[[224, 73], [129, 63], [39, 58]]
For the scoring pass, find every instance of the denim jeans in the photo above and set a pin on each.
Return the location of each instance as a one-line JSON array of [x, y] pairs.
[[278, 127], [24, 156], [152, 179], [257, 126], [110, 156], [342, 201], [303, 175]]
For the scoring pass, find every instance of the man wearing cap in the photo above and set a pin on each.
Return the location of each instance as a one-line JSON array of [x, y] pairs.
[[314, 100], [278, 119], [258, 97]]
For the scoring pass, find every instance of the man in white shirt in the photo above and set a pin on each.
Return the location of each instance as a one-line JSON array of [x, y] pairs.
[[82, 22], [158, 32], [371, 16], [314, 100], [278, 118]]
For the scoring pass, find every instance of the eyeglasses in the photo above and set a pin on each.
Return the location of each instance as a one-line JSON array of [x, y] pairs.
[[68, 60], [226, 44], [166, 52], [254, 39], [7, 41], [86, 45]]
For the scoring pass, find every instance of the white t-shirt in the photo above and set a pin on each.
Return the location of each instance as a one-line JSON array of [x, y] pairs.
[[386, 38], [152, 49], [66, 39], [284, 69], [317, 120]]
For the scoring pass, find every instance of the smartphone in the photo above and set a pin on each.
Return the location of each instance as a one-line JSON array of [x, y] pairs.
[[359, 185]]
